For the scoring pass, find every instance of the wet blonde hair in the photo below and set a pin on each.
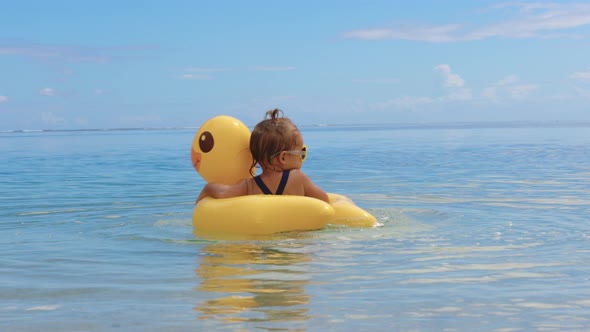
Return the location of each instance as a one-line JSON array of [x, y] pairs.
[[272, 135]]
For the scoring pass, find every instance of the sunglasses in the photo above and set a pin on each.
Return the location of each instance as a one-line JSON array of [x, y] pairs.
[[302, 152]]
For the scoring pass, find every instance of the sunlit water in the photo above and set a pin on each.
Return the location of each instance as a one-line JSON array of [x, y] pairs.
[[484, 229]]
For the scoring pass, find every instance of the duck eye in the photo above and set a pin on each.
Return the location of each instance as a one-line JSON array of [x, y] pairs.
[[206, 142]]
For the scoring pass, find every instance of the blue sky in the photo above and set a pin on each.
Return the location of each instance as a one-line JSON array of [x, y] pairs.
[[113, 64]]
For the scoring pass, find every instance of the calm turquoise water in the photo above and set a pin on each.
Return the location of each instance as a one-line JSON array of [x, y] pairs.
[[484, 229]]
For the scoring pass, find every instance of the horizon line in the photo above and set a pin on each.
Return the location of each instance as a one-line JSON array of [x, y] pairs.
[[412, 125]]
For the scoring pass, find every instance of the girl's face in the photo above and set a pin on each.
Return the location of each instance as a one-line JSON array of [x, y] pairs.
[[293, 158]]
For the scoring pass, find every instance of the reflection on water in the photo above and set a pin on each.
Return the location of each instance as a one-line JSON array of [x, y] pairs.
[[487, 231], [252, 282]]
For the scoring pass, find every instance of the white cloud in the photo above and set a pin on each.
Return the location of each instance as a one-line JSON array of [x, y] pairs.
[[581, 75], [489, 93], [582, 92], [406, 102], [81, 121], [49, 92], [528, 20], [194, 77], [456, 89], [458, 95], [3, 99], [377, 81], [521, 91], [100, 91], [199, 73], [50, 118], [536, 20], [435, 34], [508, 80], [55, 53], [273, 68], [451, 80], [509, 87], [204, 70]]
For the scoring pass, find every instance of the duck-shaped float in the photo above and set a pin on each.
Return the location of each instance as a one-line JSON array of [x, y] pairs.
[[220, 153]]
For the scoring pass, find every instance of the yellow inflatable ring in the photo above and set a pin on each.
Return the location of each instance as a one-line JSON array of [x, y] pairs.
[[220, 153]]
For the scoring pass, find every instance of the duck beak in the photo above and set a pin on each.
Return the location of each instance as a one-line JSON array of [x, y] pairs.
[[196, 159]]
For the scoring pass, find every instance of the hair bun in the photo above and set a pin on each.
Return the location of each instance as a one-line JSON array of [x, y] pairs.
[[274, 114]]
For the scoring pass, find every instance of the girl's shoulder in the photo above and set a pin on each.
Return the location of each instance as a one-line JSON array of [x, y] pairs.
[[297, 175], [295, 172]]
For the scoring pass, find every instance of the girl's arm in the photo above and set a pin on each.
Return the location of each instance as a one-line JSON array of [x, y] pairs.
[[218, 190], [312, 190]]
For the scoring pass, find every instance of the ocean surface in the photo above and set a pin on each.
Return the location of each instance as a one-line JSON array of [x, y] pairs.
[[486, 227]]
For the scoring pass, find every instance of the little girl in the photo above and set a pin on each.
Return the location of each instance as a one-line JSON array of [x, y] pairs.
[[277, 146]]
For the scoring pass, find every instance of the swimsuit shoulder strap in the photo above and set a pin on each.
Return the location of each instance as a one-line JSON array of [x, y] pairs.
[[262, 186], [283, 182], [281, 187]]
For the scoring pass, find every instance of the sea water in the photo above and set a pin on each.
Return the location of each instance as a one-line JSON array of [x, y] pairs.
[[485, 228]]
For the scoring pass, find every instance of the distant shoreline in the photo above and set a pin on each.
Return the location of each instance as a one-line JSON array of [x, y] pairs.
[[401, 126]]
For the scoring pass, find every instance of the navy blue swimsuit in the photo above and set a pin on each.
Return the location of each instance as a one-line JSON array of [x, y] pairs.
[[281, 187]]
